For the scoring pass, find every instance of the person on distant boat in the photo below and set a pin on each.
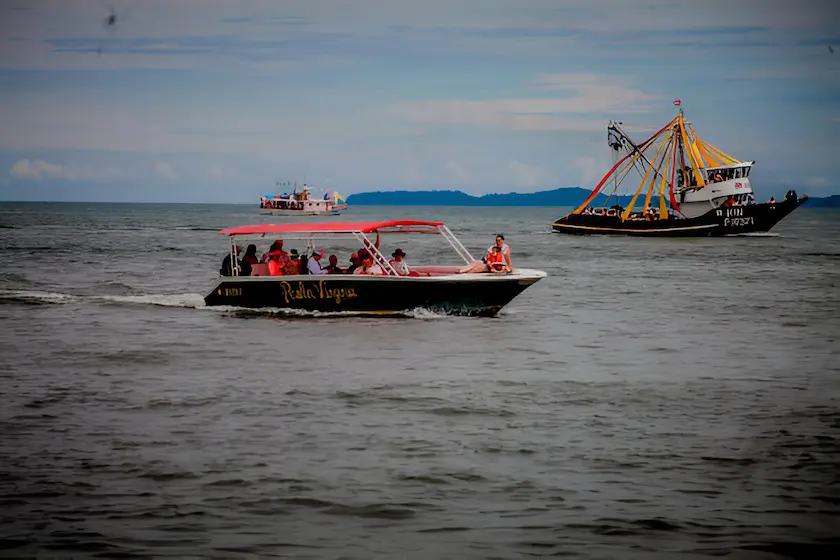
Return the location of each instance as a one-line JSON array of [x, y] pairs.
[[313, 265], [333, 267], [772, 200], [251, 255], [398, 263], [369, 266]]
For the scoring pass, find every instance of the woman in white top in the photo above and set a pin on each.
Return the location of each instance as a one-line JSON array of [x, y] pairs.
[[369, 267]]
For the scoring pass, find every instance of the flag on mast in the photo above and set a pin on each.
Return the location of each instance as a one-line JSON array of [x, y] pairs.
[[678, 102]]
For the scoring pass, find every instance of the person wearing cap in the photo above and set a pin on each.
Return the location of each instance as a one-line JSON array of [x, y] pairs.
[[333, 267], [314, 264], [398, 263]]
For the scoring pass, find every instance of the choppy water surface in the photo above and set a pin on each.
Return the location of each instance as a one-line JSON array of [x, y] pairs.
[[650, 398]]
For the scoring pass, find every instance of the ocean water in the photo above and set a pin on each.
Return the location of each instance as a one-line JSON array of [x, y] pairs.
[[650, 398]]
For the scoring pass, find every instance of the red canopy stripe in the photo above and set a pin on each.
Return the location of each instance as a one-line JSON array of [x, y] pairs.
[[325, 227]]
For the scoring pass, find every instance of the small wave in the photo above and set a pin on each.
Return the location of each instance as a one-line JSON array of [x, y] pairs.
[[37, 298], [48, 298]]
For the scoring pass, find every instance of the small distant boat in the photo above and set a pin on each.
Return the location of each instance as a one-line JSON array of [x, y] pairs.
[[439, 288], [302, 203], [696, 190]]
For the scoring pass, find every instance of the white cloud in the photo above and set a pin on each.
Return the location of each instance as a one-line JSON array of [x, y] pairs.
[[166, 171], [460, 173], [590, 171], [524, 175], [585, 93], [218, 173], [40, 169], [817, 182]]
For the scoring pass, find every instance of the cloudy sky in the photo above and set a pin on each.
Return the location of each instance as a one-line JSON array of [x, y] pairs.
[[216, 100]]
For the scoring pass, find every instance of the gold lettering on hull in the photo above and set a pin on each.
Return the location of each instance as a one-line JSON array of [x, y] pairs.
[[301, 291]]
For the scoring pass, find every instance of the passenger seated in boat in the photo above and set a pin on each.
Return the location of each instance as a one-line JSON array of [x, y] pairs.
[[292, 265], [369, 266], [398, 263], [313, 265], [277, 245], [333, 267], [505, 250], [244, 269], [496, 254], [251, 255], [276, 264], [354, 263]]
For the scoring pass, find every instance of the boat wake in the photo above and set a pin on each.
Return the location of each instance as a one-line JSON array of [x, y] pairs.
[[54, 298], [196, 301], [753, 234]]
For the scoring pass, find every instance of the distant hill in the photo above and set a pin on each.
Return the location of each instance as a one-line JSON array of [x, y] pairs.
[[571, 196], [568, 196], [832, 201]]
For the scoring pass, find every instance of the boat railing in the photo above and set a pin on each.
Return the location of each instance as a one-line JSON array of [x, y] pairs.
[[456, 244], [378, 257]]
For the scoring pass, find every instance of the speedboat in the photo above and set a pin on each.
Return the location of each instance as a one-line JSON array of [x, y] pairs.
[[440, 288]]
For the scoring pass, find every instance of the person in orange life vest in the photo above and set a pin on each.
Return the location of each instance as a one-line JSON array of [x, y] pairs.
[[275, 263], [497, 253], [496, 261], [276, 246]]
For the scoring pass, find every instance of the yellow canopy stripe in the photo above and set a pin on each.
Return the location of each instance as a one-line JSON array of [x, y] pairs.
[[666, 144], [626, 212], [694, 164], [667, 158], [726, 158]]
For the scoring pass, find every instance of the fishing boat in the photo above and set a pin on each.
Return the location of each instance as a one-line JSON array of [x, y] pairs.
[[690, 187], [302, 203], [436, 287]]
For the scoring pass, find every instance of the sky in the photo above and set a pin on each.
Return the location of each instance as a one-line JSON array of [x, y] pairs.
[[217, 101]]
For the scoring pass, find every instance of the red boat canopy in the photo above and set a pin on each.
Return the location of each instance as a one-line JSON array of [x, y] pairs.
[[324, 227]]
